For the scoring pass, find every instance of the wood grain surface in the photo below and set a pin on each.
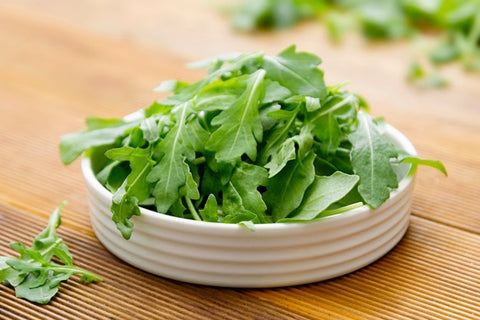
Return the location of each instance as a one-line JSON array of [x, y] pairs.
[[61, 61]]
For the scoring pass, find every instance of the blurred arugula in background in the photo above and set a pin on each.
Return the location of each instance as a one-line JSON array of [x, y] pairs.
[[455, 23]]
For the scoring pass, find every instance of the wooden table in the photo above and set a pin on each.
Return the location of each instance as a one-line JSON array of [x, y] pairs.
[[61, 61]]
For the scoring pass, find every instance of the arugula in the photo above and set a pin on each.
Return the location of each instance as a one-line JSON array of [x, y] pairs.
[[323, 192], [33, 275], [415, 161], [134, 189], [256, 14], [240, 127], [371, 156], [296, 71], [297, 175], [456, 25], [241, 193], [260, 139]]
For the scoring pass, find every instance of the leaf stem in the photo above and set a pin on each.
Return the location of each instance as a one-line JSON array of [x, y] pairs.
[[192, 209], [50, 248], [198, 161], [74, 270], [346, 208]]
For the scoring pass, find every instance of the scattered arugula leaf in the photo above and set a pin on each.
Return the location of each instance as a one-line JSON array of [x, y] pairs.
[[279, 14], [261, 139], [425, 79], [33, 275]]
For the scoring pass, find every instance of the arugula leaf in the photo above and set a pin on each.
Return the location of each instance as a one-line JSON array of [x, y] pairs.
[[257, 14], [285, 190], [288, 151], [219, 95], [190, 91], [134, 189], [151, 129], [275, 92], [423, 78], [296, 71], [33, 275], [415, 161], [323, 192], [281, 157], [328, 132], [74, 144], [240, 126], [210, 211], [278, 135], [241, 193], [94, 123], [170, 173], [370, 156]]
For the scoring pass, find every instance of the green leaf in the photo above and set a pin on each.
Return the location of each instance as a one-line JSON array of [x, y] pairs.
[[249, 225], [275, 92], [383, 19], [170, 86], [278, 14], [312, 104], [219, 95], [426, 79], [214, 63], [188, 92], [33, 275], [299, 144], [285, 191], [48, 243], [190, 189], [39, 294], [297, 71], [370, 156], [170, 173], [74, 144], [150, 129], [5, 270], [276, 137], [323, 192], [210, 211], [281, 157], [135, 188], [415, 161], [342, 105], [240, 125], [195, 136], [101, 123], [328, 132], [241, 193], [240, 217]]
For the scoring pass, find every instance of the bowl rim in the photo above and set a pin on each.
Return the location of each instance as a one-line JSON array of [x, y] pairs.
[[399, 137]]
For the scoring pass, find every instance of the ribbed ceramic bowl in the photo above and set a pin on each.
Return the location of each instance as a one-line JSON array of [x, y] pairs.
[[271, 256]]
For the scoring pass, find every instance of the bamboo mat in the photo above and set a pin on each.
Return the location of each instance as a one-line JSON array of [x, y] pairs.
[[60, 63]]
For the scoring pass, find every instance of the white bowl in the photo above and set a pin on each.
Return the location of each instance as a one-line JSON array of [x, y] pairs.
[[273, 255]]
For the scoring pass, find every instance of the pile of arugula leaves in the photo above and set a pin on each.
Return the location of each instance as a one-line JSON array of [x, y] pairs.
[[456, 23], [33, 275], [260, 139]]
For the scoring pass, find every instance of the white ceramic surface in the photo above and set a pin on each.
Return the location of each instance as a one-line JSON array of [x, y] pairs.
[[271, 256]]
